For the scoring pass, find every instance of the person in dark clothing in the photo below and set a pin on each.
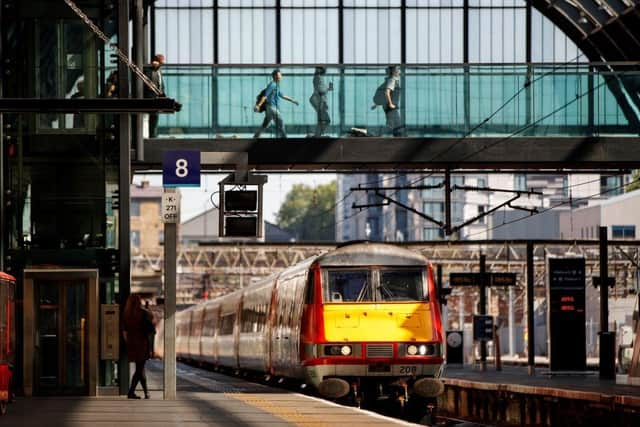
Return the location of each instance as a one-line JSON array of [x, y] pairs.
[[155, 75], [111, 88], [318, 100], [388, 95], [137, 325]]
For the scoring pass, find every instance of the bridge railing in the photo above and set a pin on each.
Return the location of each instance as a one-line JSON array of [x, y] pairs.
[[436, 101]]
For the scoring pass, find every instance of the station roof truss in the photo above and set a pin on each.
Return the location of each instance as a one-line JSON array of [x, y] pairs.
[[605, 30], [226, 263]]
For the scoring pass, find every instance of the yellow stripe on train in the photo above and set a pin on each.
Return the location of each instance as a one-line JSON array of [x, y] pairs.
[[378, 322]]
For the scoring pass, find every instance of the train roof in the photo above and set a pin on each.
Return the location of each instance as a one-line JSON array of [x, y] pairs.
[[371, 253], [8, 277]]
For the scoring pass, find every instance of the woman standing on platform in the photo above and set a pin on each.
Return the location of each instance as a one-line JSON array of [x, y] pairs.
[[137, 325]]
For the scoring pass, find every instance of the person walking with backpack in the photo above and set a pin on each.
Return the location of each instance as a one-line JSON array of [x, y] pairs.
[[269, 102], [137, 325], [388, 95]]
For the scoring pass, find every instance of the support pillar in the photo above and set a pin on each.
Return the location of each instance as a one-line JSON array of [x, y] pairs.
[[607, 339], [483, 308], [124, 182], [170, 274], [531, 333]]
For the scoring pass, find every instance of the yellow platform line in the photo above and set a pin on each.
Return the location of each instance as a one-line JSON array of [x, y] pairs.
[[280, 410]]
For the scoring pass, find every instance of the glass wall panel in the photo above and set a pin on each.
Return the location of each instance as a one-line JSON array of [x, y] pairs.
[[372, 36], [434, 35], [247, 36], [550, 44], [185, 36], [497, 35], [310, 36]]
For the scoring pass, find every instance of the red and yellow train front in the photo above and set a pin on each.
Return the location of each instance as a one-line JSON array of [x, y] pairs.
[[372, 326]]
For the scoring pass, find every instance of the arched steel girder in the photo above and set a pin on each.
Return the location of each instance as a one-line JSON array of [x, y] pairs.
[[608, 32]]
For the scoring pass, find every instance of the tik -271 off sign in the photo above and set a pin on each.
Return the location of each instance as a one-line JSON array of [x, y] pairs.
[[170, 208]]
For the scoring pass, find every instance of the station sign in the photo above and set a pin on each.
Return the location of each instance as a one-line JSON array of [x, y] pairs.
[[170, 208], [181, 169], [475, 279], [482, 328], [566, 314]]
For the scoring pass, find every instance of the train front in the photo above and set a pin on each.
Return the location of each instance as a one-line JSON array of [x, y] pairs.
[[371, 327]]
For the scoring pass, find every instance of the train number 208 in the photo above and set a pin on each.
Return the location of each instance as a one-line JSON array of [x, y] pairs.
[[408, 370]]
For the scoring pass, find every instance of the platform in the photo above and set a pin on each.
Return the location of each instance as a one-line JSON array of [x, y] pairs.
[[512, 397], [204, 399]]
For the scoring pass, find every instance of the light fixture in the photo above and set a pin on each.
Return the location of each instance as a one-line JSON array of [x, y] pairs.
[[345, 350], [412, 350], [583, 19], [423, 350]]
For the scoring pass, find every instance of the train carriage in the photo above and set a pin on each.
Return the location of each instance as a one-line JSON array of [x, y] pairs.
[[363, 317], [7, 337]]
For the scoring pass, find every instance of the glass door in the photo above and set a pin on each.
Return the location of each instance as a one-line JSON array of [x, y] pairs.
[[61, 341]]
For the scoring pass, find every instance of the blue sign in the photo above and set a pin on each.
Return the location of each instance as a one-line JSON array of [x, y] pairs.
[[181, 169]]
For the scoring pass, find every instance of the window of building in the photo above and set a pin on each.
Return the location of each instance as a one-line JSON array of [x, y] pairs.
[[135, 208], [432, 233], [434, 209], [481, 210], [481, 182], [611, 185], [520, 182], [135, 239], [623, 231]]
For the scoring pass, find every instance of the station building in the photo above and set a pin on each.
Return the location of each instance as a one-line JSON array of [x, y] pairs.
[[69, 145]]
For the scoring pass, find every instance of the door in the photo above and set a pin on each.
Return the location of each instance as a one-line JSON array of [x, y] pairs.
[[61, 337]]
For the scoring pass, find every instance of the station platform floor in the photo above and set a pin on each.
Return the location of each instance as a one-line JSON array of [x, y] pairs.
[[585, 386], [204, 398]]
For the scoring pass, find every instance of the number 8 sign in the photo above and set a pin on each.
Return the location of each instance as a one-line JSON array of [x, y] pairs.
[[181, 169]]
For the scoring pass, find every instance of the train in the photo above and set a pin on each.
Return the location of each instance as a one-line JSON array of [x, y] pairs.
[[7, 338], [362, 321]]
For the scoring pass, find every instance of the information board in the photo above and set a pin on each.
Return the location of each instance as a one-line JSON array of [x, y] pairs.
[[482, 328], [566, 314]]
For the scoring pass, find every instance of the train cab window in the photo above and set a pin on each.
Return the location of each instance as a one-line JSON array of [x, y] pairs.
[[401, 285], [348, 286]]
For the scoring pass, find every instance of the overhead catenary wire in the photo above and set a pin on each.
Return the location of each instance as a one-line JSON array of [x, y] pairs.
[[516, 132], [609, 190]]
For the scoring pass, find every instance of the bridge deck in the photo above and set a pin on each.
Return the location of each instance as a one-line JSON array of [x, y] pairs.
[[411, 153]]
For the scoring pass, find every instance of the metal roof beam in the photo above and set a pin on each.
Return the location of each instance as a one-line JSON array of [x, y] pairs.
[[88, 105]]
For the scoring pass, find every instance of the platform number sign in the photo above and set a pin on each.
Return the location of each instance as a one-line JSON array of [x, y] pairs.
[[181, 169]]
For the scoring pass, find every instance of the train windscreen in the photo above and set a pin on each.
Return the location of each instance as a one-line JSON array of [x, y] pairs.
[[348, 286], [401, 285]]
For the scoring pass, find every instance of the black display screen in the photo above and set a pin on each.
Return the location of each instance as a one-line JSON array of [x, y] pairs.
[[566, 314]]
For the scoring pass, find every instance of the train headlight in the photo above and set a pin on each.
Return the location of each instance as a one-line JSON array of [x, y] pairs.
[[412, 350], [338, 350], [423, 350]]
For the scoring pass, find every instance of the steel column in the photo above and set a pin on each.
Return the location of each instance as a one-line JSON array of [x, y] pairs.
[[483, 308], [138, 59], [124, 181], [530, 325]]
